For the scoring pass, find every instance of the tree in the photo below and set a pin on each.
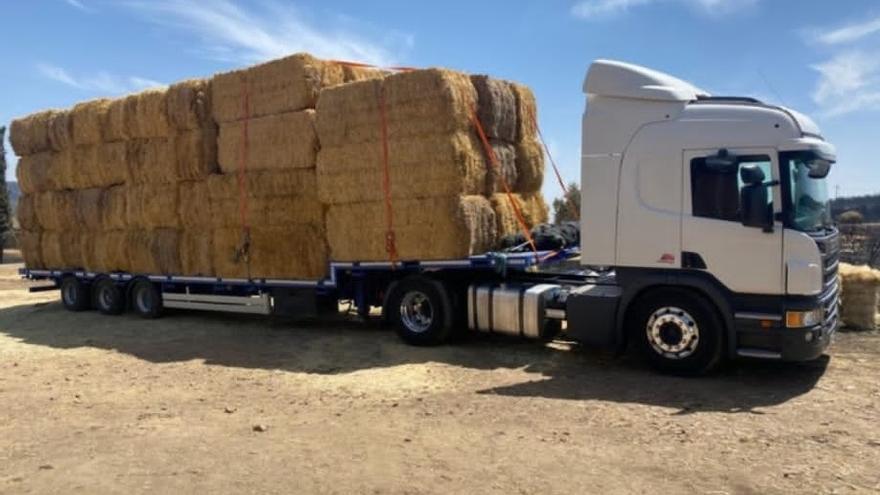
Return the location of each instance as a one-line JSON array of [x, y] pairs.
[[851, 216], [568, 207], [5, 213]]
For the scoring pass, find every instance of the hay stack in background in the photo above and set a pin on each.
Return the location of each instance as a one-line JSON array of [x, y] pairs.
[[859, 296]]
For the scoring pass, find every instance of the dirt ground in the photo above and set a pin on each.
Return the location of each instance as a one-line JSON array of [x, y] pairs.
[[96, 404]]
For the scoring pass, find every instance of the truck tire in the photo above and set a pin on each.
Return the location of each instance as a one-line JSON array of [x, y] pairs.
[[146, 300], [679, 332], [74, 294], [420, 310], [107, 297]]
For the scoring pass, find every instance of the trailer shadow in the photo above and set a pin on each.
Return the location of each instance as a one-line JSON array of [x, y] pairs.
[[346, 345]]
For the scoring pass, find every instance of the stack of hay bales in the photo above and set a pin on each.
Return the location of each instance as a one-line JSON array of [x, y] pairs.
[[269, 171], [859, 296], [441, 187]]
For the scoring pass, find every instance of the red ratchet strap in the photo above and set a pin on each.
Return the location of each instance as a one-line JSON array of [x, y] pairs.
[[552, 161], [493, 161], [390, 238], [244, 249]]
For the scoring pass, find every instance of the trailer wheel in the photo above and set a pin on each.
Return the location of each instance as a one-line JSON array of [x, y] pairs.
[[679, 332], [146, 300], [74, 294], [421, 311], [107, 297]]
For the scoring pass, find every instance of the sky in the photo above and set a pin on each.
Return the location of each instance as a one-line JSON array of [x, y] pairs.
[[819, 57]]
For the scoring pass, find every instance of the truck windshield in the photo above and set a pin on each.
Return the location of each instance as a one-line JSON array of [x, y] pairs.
[[809, 206]]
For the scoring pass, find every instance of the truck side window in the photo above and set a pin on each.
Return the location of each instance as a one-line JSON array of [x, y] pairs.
[[715, 193]]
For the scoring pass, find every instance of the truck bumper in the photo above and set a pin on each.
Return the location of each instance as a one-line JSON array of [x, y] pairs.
[[786, 344]]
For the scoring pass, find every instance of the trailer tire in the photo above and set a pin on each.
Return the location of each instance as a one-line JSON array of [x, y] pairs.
[[107, 297], [678, 331], [146, 300], [74, 294], [420, 310]]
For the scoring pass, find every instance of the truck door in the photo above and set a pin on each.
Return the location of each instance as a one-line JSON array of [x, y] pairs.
[[747, 260]]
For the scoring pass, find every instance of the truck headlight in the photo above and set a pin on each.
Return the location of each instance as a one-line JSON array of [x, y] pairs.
[[801, 319]]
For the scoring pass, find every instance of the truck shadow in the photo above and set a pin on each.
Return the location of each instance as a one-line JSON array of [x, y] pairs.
[[342, 346]]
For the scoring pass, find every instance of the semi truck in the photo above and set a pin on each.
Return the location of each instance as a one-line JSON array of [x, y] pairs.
[[705, 236]]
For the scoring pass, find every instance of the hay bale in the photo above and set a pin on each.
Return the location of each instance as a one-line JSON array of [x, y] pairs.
[[280, 141], [115, 127], [274, 199], [434, 165], [87, 121], [352, 74], [30, 134], [56, 210], [152, 161], [145, 115], [111, 165], [417, 104], [505, 172], [63, 249], [154, 251], [109, 252], [114, 211], [26, 213], [60, 134], [39, 172], [285, 85], [195, 153], [859, 298], [496, 107], [29, 243], [425, 228], [194, 207], [529, 166], [275, 252], [526, 113], [196, 252], [532, 206], [151, 206], [189, 105], [89, 208]]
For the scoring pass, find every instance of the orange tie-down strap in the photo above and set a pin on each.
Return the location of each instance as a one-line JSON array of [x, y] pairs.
[[390, 238], [243, 250], [493, 162]]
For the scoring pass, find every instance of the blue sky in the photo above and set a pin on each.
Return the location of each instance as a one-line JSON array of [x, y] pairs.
[[820, 57]]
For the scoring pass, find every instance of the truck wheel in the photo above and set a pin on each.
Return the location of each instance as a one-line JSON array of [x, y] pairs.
[[678, 332], [146, 300], [74, 294], [107, 297], [420, 310]]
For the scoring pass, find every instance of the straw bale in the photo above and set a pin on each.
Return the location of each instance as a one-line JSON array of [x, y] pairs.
[[280, 141], [109, 252], [194, 208], [196, 153], [351, 74], [115, 127], [29, 242], [145, 115], [154, 251], [189, 104], [496, 107], [26, 213], [196, 252], [152, 161], [151, 206], [275, 252], [505, 172], [526, 113], [438, 165], [859, 297], [529, 166], [111, 167], [38, 172], [59, 130], [417, 104], [114, 214], [274, 199], [87, 120], [89, 208], [56, 210], [532, 206], [425, 228], [30, 134], [285, 85], [63, 249]]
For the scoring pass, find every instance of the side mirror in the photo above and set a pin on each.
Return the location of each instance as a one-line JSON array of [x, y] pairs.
[[756, 209], [722, 162]]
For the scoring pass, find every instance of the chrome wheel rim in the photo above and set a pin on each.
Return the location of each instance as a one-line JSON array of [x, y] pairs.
[[673, 332], [416, 312]]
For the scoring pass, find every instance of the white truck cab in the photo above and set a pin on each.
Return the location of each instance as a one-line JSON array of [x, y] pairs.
[[719, 199]]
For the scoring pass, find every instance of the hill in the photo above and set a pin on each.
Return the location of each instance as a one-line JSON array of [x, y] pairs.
[[868, 206]]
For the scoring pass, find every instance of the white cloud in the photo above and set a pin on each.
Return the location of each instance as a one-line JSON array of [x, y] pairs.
[[848, 82], [229, 32], [850, 33], [101, 82], [77, 4], [591, 9]]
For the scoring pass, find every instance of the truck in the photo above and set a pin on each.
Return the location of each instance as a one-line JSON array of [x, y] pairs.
[[705, 236]]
